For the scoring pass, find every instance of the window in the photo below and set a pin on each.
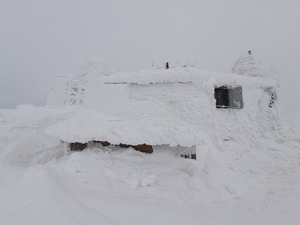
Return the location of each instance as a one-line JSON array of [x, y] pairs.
[[229, 97]]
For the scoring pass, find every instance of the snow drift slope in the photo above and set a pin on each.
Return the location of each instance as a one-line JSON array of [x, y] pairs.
[[231, 183]]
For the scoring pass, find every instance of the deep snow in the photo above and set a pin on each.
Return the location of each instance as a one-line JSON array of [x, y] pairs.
[[248, 161], [230, 183]]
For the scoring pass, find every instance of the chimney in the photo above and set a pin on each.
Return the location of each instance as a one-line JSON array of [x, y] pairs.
[[167, 65]]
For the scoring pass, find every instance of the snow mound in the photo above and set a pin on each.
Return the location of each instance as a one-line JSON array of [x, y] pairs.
[[229, 183], [23, 141], [238, 186], [246, 65], [93, 125]]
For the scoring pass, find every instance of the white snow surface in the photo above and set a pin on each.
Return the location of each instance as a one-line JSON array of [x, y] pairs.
[[248, 160], [230, 183]]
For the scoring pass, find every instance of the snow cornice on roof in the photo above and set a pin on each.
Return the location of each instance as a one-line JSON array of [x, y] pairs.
[[184, 75]]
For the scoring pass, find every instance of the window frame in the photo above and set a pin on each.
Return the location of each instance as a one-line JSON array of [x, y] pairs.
[[229, 97]]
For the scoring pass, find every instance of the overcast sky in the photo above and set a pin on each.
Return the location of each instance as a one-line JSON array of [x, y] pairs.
[[43, 38]]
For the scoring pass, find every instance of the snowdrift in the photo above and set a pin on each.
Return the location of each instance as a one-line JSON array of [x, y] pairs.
[[248, 160]]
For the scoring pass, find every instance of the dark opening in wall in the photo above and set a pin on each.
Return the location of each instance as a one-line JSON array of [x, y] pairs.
[[77, 146], [229, 97], [221, 96]]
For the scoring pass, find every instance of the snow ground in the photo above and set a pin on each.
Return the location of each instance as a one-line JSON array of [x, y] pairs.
[[231, 183]]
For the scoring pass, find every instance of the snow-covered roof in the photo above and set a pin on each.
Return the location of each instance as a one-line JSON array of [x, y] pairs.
[[181, 75]]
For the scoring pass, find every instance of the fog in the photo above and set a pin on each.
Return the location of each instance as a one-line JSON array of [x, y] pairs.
[[40, 39]]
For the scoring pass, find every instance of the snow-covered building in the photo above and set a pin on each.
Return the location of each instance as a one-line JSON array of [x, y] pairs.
[[248, 161], [181, 108]]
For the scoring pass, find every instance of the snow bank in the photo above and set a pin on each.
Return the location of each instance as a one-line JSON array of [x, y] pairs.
[[23, 140], [230, 184]]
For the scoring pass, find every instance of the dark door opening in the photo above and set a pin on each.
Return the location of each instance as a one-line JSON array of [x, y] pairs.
[[221, 96]]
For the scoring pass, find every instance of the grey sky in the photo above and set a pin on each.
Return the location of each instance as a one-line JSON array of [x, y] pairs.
[[40, 39]]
